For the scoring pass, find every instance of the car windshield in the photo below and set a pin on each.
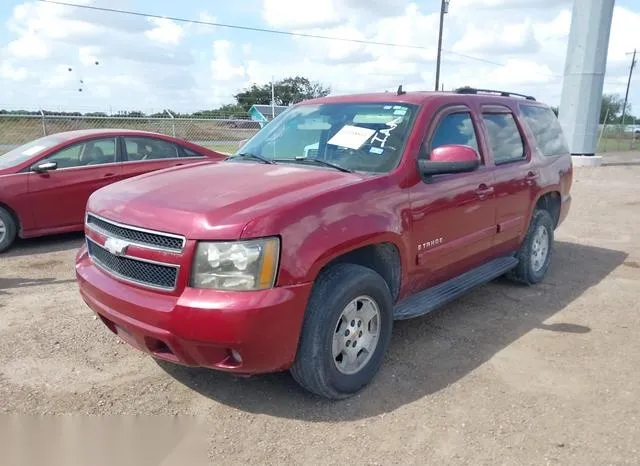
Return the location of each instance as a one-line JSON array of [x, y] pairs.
[[367, 137], [26, 151]]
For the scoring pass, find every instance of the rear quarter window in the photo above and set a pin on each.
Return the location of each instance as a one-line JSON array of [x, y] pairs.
[[504, 137], [546, 129]]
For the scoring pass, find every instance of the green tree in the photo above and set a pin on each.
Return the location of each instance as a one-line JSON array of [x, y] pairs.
[[225, 111], [612, 108], [287, 91]]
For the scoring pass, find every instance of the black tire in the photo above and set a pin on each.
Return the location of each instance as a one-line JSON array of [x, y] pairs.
[[314, 367], [525, 272], [10, 230]]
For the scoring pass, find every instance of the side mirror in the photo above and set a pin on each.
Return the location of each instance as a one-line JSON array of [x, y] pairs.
[[452, 158], [45, 167]]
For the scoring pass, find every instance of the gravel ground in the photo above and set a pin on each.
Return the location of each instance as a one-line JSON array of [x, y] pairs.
[[505, 375]]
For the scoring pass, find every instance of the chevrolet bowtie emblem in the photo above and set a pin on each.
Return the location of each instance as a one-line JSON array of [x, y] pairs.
[[116, 246]]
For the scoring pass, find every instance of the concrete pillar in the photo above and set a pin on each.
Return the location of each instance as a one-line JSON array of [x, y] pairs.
[[584, 71]]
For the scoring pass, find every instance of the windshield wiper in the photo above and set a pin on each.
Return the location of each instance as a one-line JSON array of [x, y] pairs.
[[304, 158], [253, 156]]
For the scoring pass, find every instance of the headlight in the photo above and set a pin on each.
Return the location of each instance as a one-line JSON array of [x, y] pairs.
[[237, 265]]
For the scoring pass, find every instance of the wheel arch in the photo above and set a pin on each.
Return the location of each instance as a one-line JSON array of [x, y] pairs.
[[551, 201], [383, 255], [14, 215]]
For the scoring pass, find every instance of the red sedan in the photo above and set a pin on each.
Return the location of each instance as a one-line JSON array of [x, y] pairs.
[[45, 184]]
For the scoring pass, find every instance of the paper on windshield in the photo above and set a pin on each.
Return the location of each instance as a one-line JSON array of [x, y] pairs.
[[33, 150], [351, 137]]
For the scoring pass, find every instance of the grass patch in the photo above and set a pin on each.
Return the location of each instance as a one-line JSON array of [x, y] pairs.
[[223, 148], [620, 144], [16, 130]]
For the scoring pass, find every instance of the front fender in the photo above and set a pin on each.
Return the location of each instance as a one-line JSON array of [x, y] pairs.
[[315, 263], [316, 230]]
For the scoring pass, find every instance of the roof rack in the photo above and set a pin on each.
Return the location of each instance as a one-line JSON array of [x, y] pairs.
[[471, 90]]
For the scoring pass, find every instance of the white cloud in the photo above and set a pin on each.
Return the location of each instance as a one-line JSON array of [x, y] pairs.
[[160, 63], [29, 46], [295, 14], [516, 38], [88, 55], [291, 14], [510, 4], [625, 29], [8, 71], [165, 31], [221, 66], [49, 39]]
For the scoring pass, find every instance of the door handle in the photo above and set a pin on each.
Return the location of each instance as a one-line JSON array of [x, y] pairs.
[[178, 164], [109, 175], [484, 190]]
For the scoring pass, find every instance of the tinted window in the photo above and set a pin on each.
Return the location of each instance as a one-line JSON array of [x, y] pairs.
[[191, 153], [94, 152], [546, 129], [455, 128], [139, 149], [504, 137]]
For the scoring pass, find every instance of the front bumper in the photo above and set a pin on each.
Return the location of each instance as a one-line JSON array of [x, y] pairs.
[[200, 327]]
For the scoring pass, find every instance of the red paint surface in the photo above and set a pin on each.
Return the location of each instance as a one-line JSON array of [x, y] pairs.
[[319, 214], [55, 202]]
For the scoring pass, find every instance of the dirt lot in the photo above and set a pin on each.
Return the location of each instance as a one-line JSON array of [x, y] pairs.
[[506, 375]]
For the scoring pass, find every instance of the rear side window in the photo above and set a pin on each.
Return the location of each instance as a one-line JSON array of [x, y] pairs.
[[455, 128], [504, 137], [141, 148], [546, 129], [190, 153]]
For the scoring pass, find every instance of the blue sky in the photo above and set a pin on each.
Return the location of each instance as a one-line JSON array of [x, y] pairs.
[[150, 65]]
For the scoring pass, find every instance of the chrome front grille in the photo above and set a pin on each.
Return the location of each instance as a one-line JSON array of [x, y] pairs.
[[146, 273], [135, 235]]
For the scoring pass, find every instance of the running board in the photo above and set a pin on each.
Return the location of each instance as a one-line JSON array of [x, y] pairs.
[[433, 298]]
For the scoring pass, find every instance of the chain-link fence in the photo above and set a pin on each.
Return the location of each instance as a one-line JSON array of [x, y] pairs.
[[216, 133], [221, 134], [618, 138]]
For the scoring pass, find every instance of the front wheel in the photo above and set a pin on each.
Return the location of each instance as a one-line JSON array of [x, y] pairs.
[[8, 230], [346, 332]]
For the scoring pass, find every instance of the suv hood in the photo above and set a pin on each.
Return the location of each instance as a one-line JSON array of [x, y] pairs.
[[212, 200]]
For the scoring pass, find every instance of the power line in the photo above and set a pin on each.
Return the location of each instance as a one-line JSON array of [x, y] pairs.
[[276, 31], [232, 26]]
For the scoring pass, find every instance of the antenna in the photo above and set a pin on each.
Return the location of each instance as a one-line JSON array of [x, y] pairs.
[[400, 91]]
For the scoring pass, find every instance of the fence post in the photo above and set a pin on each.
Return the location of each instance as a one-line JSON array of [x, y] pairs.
[[603, 129], [173, 125], [44, 126]]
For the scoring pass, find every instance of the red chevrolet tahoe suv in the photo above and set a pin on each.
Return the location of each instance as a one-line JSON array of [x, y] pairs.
[[340, 216]]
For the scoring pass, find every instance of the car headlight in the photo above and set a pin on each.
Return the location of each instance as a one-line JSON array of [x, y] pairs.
[[236, 265]]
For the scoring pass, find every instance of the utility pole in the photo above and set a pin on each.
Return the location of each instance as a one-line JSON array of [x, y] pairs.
[[444, 8], [626, 96]]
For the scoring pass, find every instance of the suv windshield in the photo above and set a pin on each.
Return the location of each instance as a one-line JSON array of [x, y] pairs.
[[368, 137], [26, 151]]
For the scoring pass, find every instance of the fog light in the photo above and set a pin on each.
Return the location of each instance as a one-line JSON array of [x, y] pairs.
[[236, 356]]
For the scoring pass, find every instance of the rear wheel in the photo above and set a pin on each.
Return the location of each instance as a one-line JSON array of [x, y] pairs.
[[346, 332], [535, 254], [8, 230]]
